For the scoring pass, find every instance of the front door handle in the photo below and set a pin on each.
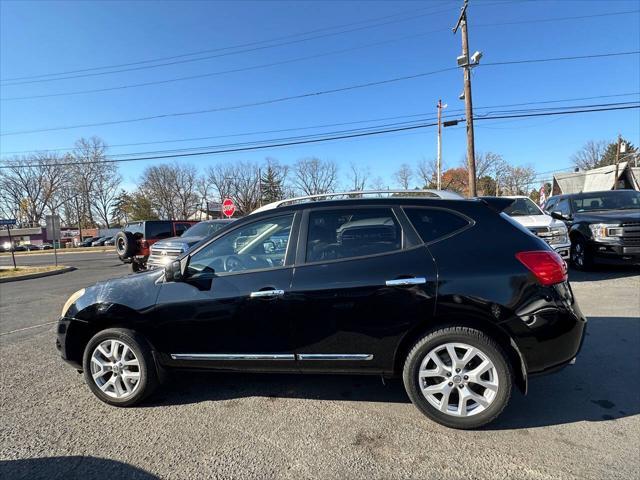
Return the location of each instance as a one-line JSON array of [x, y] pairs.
[[401, 282], [267, 293]]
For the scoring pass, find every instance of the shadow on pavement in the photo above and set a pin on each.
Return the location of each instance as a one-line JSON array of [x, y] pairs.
[[70, 468], [603, 273], [600, 386]]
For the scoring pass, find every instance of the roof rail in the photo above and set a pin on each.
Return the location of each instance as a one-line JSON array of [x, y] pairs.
[[442, 194]]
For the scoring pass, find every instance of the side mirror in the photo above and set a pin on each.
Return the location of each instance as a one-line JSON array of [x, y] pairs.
[[558, 215], [173, 271]]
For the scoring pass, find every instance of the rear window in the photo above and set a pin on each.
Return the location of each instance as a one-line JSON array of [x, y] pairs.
[[433, 224], [349, 233], [132, 227], [158, 230]]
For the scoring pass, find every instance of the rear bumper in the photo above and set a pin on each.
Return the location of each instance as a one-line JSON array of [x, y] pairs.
[[549, 335]]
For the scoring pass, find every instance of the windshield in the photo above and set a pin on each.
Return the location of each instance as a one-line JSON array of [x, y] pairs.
[[203, 229], [614, 200], [521, 207]]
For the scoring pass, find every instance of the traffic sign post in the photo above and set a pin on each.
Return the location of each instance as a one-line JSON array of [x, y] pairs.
[[6, 222], [53, 232], [228, 208]]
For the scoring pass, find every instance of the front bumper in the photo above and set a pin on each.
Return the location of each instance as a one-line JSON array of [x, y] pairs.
[[564, 250], [614, 253], [69, 351]]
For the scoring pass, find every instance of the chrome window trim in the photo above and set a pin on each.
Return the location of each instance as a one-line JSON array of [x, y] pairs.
[[233, 356], [334, 356]]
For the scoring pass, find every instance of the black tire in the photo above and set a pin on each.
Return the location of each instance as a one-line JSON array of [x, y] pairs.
[[474, 338], [581, 259], [148, 376], [125, 244]]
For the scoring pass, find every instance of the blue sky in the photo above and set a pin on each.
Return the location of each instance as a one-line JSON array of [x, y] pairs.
[[45, 37]]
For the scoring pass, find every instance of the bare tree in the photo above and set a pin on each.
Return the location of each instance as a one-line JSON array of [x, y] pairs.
[[589, 155], [358, 176], [171, 189], [313, 176], [90, 155], [29, 186], [428, 172], [403, 176], [518, 180], [220, 178]]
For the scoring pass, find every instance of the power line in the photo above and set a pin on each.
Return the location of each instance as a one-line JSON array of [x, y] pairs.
[[278, 143], [340, 124], [235, 107], [220, 72], [305, 95], [284, 62], [190, 60], [559, 59]]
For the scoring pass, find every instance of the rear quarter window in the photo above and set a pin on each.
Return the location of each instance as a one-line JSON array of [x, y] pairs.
[[433, 224]]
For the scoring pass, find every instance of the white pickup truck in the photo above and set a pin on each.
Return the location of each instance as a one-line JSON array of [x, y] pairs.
[[529, 215]]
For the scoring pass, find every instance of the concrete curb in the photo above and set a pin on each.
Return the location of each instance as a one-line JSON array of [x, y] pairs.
[[29, 276], [50, 252]]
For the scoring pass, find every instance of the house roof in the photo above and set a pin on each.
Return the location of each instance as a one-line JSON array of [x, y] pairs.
[[602, 178]]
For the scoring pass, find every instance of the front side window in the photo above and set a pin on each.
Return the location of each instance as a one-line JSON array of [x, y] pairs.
[[259, 245], [349, 233], [432, 224]]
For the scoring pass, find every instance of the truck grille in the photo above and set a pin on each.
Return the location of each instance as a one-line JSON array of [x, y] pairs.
[[161, 256], [631, 233]]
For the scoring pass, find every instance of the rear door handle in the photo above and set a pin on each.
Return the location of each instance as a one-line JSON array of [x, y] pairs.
[[401, 282], [267, 293]]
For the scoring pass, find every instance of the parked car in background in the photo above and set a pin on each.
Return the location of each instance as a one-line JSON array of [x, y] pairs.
[[19, 248], [604, 227], [87, 242], [165, 251], [524, 211], [133, 243], [46, 246], [101, 241], [403, 286], [30, 247], [110, 242]]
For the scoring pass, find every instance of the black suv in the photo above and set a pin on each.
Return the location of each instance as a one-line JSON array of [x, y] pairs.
[[604, 227], [408, 287]]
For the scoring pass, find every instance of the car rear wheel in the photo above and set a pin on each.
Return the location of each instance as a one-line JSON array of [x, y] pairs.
[[119, 367], [459, 377]]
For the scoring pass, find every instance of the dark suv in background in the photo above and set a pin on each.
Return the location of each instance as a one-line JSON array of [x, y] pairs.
[[402, 286], [134, 242], [604, 227]]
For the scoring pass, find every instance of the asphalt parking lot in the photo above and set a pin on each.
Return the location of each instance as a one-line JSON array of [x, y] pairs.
[[583, 422]]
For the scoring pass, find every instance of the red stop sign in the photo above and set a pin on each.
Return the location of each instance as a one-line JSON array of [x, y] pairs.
[[228, 207]]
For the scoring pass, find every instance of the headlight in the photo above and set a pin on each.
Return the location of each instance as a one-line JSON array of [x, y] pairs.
[[558, 234], [71, 301], [602, 231]]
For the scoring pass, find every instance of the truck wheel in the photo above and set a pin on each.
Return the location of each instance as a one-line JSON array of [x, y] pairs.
[[119, 367], [125, 244], [458, 377], [137, 267], [580, 256]]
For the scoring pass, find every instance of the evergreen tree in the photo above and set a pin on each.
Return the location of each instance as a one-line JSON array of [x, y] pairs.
[[272, 183], [609, 155]]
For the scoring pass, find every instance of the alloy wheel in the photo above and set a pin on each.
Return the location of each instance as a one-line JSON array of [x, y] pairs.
[[115, 369], [458, 379], [578, 254]]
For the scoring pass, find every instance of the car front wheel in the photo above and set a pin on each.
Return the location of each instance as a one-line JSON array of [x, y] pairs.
[[580, 256], [459, 377], [119, 367]]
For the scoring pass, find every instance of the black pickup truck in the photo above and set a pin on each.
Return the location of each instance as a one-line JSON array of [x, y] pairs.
[[604, 227]]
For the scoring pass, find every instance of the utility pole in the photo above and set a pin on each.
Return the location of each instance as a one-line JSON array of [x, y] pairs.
[[79, 220], [465, 63], [439, 161], [619, 147]]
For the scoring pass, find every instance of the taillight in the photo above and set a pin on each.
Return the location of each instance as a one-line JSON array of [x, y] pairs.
[[145, 244], [548, 267]]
